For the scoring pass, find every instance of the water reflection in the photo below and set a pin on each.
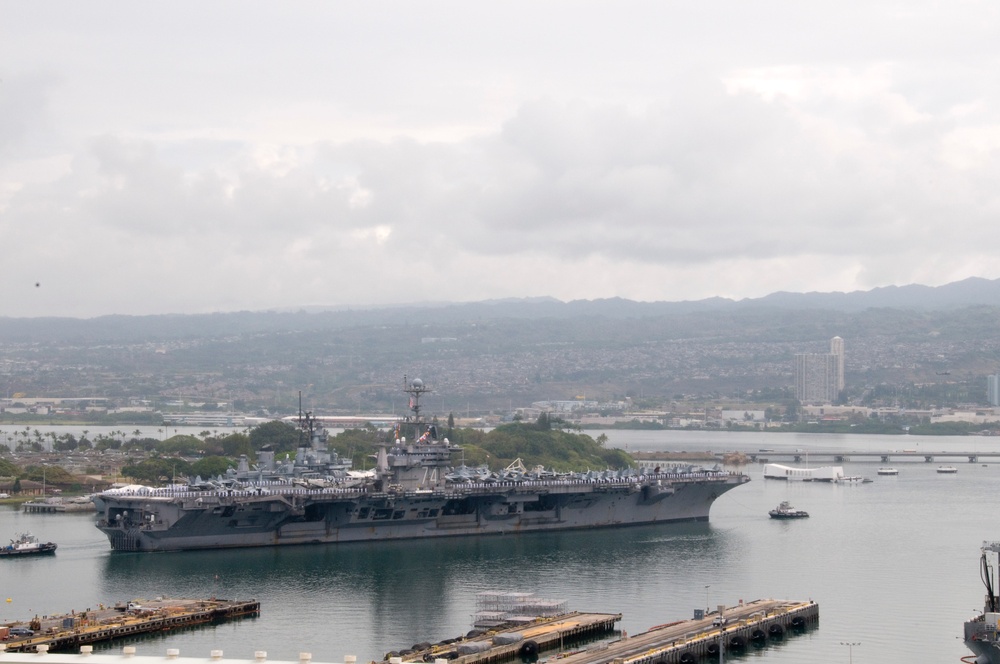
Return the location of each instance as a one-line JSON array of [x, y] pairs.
[[370, 590]]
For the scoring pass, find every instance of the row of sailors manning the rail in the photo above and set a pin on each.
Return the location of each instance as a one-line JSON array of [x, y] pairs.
[[463, 475]]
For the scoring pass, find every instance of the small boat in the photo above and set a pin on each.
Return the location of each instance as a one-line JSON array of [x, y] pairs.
[[947, 469], [26, 544], [888, 471], [786, 511]]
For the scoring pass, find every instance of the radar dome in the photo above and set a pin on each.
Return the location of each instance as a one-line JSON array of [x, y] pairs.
[[417, 383]]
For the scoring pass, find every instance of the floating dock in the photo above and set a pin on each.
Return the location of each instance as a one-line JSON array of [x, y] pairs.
[[63, 632], [681, 642], [511, 642]]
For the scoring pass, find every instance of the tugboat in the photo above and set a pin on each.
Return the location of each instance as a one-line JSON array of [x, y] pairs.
[[981, 635], [786, 511], [27, 544]]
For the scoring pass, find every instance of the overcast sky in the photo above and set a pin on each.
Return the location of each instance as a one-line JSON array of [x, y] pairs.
[[186, 157]]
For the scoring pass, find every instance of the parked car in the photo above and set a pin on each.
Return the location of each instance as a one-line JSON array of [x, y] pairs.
[[21, 631]]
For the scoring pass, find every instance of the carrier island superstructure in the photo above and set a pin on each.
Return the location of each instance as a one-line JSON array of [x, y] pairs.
[[413, 492]]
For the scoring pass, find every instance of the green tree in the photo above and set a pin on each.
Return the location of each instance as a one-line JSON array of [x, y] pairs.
[[543, 423], [64, 443], [792, 407], [236, 444], [8, 469], [559, 450], [53, 475], [157, 471], [211, 466], [281, 436], [182, 444]]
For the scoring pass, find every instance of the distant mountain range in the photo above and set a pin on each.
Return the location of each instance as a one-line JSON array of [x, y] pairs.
[[961, 294], [974, 291], [968, 292], [493, 353]]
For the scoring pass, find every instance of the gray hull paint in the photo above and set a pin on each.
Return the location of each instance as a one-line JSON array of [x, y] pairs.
[[986, 653], [211, 520]]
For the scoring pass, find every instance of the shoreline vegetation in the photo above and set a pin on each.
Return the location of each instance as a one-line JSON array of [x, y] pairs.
[[838, 427]]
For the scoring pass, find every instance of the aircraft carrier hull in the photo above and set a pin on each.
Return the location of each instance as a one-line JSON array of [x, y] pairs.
[[159, 520]]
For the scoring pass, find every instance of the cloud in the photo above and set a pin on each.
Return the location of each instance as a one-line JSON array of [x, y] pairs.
[[662, 153]]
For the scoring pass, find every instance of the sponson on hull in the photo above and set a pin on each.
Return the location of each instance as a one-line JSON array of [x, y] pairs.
[[412, 493]]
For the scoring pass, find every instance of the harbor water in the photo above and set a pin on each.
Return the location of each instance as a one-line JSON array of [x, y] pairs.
[[893, 565]]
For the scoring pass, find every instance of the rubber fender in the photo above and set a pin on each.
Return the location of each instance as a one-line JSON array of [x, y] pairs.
[[688, 658], [528, 649]]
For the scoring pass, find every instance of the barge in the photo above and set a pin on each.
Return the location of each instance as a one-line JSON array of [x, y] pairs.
[[107, 623]]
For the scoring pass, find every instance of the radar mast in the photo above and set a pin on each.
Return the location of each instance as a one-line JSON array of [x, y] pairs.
[[415, 388]]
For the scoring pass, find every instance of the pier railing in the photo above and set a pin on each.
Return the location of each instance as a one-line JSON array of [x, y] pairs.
[[129, 655]]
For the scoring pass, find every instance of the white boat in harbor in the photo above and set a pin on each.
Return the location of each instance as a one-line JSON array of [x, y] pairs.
[[888, 471], [776, 471], [849, 479], [947, 469]]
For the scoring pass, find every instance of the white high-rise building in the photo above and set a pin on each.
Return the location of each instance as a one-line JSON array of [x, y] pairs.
[[837, 348], [819, 377], [993, 389]]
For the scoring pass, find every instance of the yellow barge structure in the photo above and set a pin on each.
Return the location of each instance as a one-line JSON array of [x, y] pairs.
[[65, 632]]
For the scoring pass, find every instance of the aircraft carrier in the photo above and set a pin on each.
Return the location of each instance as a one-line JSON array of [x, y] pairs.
[[413, 492], [982, 633]]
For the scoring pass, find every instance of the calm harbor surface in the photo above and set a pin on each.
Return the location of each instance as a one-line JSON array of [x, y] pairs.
[[893, 565]]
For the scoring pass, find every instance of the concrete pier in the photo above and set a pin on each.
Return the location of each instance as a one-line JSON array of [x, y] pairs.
[[54, 506], [689, 641], [512, 642], [68, 631], [682, 642]]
